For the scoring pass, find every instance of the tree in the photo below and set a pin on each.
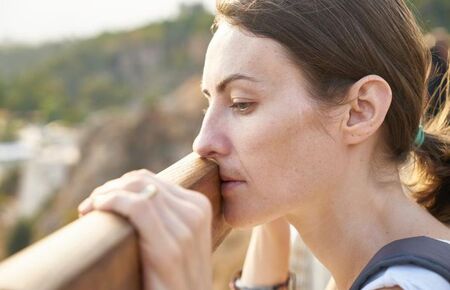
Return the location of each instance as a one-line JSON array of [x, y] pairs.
[[432, 13]]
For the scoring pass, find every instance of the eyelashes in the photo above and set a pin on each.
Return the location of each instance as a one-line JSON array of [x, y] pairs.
[[239, 107]]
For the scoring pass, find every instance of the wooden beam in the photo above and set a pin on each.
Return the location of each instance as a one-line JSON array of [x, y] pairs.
[[100, 251]]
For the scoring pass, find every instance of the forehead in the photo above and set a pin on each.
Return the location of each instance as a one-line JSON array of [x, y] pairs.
[[233, 50]]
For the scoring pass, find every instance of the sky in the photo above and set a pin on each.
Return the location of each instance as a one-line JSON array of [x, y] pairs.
[[38, 21]]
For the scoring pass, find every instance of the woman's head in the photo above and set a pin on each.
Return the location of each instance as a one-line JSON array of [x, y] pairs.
[[268, 138], [325, 76], [336, 43]]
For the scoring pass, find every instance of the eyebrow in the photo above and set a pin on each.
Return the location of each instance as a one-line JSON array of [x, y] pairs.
[[223, 84]]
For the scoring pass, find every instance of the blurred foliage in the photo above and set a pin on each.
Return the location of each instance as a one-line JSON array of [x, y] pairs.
[[2, 94], [18, 58], [432, 13], [19, 237], [9, 128], [9, 184], [69, 81]]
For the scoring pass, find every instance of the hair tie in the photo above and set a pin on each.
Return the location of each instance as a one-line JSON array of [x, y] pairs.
[[420, 137]]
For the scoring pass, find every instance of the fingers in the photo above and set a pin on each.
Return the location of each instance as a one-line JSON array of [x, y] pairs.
[[162, 234], [132, 206], [120, 201], [142, 213], [189, 206], [135, 181], [192, 207], [185, 197], [132, 181], [174, 226]]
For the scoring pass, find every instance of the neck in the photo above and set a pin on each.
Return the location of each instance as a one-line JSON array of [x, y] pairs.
[[345, 227]]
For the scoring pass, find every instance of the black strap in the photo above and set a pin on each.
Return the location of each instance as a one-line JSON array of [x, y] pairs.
[[421, 251]]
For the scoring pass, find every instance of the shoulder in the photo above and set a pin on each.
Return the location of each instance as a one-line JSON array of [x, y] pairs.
[[407, 277], [412, 263]]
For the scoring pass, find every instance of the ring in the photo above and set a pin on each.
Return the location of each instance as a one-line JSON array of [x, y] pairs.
[[149, 191]]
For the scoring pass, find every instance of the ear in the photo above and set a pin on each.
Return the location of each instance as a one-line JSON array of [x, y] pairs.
[[370, 99]]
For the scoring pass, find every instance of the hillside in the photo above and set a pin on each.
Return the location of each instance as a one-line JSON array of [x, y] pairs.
[[67, 81]]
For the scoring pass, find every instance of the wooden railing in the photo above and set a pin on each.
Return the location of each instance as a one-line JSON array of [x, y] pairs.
[[99, 251]]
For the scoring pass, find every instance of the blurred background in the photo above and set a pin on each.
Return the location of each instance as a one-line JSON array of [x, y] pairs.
[[92, 89]]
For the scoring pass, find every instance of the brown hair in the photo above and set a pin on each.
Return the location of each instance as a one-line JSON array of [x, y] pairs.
[[336, 43]]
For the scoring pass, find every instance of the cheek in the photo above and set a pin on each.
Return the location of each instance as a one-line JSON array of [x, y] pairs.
[[286, 160]]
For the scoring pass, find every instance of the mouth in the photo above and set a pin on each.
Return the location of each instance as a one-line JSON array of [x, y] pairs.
[[229, 182], [229, 185]]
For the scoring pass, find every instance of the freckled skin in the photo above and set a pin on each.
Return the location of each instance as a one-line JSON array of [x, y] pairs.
[[278, 147]]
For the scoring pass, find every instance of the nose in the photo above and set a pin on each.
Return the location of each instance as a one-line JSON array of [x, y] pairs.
[[211, 141]]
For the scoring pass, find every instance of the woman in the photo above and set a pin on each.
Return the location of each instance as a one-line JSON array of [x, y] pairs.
[[315, 109]]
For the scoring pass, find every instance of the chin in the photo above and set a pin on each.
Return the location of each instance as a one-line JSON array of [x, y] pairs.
[[235, 217], [242, 217]]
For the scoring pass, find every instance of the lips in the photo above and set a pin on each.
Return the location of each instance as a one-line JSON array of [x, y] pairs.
[[228, 179], [227, 186], [230, 182]]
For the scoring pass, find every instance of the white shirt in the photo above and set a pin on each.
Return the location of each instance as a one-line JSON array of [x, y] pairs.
[[408, 277]]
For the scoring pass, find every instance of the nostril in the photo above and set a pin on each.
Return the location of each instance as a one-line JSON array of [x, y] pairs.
[[205, 153], [202, 148], [211, 143]]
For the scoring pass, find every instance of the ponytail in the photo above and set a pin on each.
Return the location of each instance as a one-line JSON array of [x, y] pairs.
[[430, 177]]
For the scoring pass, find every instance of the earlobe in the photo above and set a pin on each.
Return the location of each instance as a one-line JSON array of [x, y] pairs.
[[370, 101]]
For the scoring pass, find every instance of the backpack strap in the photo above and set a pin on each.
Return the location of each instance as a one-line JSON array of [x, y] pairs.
[[421, 251]]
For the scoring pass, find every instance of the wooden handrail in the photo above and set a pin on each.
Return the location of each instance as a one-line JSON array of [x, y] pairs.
[[99, 251]]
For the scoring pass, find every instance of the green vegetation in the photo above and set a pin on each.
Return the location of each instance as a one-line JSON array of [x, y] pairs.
[[9, 184], [432, 13], [15, 59], [19, 237], [112, 70]]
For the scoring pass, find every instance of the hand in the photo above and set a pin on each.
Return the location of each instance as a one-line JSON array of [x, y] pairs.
[[174, 228]]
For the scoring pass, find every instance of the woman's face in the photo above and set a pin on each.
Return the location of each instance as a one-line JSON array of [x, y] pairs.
[[263, 129]]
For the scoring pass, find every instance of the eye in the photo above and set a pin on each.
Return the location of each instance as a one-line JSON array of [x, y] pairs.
[[241, 107]]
